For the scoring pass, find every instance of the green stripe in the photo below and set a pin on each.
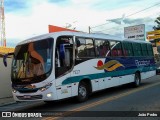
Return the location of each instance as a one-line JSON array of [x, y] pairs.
[[105, 74]]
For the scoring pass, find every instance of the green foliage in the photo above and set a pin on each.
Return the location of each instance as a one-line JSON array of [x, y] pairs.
[[158, 24]]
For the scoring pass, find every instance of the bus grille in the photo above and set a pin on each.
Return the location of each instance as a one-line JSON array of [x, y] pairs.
[[33, 97], [28, 91]]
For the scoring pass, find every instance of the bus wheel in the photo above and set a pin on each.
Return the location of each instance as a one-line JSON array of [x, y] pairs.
[[137, 80], [82, 92]]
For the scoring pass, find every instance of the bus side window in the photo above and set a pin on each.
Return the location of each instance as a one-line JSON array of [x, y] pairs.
[[85, 48], [102, 48], [97, 51], [119, 52], [137, 49], [127, 49], [144, 49], [114, 52], [116, 48], [125, 52]]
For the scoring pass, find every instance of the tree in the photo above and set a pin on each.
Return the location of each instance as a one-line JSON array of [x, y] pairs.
[[157, 57], [158, 24]]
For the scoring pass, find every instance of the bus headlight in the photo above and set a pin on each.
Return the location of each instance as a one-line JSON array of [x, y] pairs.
[[14, 91], [49, 95], [45, 87]]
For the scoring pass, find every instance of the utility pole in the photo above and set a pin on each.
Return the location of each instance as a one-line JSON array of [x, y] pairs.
[[2, 24], [89, 29]]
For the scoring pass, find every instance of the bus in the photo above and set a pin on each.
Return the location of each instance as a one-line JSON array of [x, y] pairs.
[[67, 64]]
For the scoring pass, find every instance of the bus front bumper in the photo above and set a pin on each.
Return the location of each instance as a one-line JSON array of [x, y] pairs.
[[47, 95]]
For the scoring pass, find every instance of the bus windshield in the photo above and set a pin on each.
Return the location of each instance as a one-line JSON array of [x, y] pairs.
[[32, 62]]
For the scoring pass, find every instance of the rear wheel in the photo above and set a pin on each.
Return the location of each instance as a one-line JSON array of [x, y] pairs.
[[137, 80], [82, 92]]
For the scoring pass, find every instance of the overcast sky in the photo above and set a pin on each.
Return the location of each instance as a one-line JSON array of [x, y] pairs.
[[28, 18]]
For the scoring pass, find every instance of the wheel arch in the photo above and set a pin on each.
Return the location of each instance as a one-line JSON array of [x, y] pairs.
[[87, 81]]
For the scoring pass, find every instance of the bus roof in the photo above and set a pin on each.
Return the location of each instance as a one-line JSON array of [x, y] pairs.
[[80, 34]]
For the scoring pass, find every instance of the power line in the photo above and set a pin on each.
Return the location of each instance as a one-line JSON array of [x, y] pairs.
[[116, 27], [130, 14], [143, 10], [101, 25]]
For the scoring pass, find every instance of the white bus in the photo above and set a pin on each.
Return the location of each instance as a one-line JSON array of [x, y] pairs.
[[60, 65]]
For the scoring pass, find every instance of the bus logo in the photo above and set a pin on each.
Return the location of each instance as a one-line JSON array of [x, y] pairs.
[[30, 86], [109, 66]]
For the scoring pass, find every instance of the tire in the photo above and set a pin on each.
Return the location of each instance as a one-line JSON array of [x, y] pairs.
[[48, 102], [137, 80], [83, 92]]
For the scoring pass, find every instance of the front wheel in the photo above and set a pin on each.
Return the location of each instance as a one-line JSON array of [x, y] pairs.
[[82, 92], [137, 80]]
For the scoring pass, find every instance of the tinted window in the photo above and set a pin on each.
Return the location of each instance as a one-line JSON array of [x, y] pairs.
[[32, 61], [102, 48], [127, 49], [85, 48], [116, 48], [144, 49], [137, 49]]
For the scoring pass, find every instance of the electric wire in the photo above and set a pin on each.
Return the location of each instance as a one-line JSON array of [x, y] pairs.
[[128, 15]]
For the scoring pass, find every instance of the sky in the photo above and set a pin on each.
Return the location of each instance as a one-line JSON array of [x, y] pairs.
[[27, 18]]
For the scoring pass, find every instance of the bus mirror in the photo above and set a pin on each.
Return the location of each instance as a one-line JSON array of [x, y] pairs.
[[62, 51], [5, 60]]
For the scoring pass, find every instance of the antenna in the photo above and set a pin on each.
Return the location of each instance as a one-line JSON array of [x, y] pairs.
[[2, 24]]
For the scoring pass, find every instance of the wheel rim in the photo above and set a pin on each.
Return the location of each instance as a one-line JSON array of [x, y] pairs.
[[82, 91]]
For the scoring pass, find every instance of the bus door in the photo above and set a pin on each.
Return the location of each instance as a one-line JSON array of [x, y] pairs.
[[63, 66]]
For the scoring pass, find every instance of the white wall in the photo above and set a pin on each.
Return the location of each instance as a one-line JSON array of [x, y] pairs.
[[5, 80]]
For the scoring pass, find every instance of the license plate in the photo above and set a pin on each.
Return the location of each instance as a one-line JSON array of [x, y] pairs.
[[27, 96]]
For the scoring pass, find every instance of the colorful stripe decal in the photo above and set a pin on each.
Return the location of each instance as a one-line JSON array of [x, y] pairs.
[[109, 66], [106, 74]]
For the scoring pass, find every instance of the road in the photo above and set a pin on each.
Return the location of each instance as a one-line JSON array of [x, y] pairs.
[[123, 102]]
